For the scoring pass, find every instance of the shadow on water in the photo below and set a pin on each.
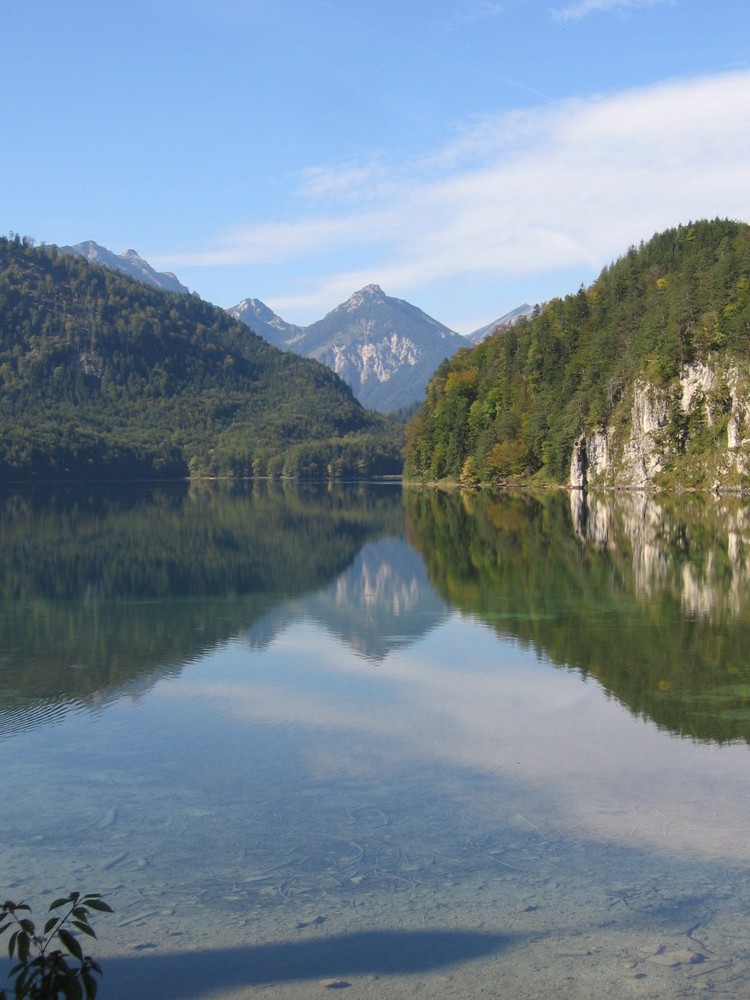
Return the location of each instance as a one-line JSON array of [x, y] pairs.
[[201, 973]]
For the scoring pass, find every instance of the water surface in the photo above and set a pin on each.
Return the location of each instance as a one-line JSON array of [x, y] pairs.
[[423, 745]]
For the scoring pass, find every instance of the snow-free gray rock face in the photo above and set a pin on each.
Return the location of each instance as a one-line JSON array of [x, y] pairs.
[[651, 429], [130, 263], [265, 322], [386, 349]]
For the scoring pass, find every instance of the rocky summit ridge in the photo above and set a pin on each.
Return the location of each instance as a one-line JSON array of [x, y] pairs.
[[130, 262], [385, 348]]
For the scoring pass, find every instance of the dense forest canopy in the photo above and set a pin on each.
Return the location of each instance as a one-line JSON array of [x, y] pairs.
[[103, 376], [514, 405]]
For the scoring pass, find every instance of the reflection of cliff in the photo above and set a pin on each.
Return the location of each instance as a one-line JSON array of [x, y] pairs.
[[379, 603], [652, 597], [699, 549], [102, 593]]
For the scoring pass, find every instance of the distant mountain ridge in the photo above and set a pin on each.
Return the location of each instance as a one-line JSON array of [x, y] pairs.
[[265, 322], [130, 263], [499, 324], [384, 348], [102, 376]]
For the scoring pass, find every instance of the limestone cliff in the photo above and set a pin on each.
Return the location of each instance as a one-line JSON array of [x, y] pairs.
[[694, 432]]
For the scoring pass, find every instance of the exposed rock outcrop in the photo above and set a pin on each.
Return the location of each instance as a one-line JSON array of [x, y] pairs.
[[699, 422]]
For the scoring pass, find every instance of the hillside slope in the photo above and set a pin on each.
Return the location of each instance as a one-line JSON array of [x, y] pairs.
[[102, 375], [643, 379]]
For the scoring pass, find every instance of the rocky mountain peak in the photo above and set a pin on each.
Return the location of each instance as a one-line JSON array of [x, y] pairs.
[[130, 263], [264, 321], [385, 348], [366, 296]]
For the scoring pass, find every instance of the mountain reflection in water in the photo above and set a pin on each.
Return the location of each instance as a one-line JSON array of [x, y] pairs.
[[104, 593], [295, 732]]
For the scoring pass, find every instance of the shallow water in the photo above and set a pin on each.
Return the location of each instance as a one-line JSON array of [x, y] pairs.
[[410, 769]]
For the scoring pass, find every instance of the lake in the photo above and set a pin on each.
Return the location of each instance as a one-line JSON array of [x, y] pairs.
[[398, 744]]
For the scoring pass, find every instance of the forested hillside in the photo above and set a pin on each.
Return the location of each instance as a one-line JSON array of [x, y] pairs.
[[103, 376], [515, 405]]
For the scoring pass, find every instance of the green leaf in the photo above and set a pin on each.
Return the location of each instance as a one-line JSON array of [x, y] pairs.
[[12, 943], [99, 904], [71, 943], [84, 927], [59, 902], [5, 927], [57, 959], [50, 924], [89, 983], [24, 944], [28, 926]]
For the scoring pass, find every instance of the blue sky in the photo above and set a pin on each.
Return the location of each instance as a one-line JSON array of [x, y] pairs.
[[467, 156]]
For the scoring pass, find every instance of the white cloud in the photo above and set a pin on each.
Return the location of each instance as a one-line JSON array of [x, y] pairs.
[[582, 8], [526, 193], [346, 181]]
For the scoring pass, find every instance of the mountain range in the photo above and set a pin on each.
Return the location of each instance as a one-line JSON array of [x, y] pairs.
[[384, 348], [102, 376], [130, 263]]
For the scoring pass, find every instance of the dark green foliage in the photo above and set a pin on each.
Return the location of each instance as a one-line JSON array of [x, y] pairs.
[[50, 963], [514, 560], [104, 377], [516, 402], [102, 590]]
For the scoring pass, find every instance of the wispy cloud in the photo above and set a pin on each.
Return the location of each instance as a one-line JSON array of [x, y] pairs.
[[573, 183], [583, 8]]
